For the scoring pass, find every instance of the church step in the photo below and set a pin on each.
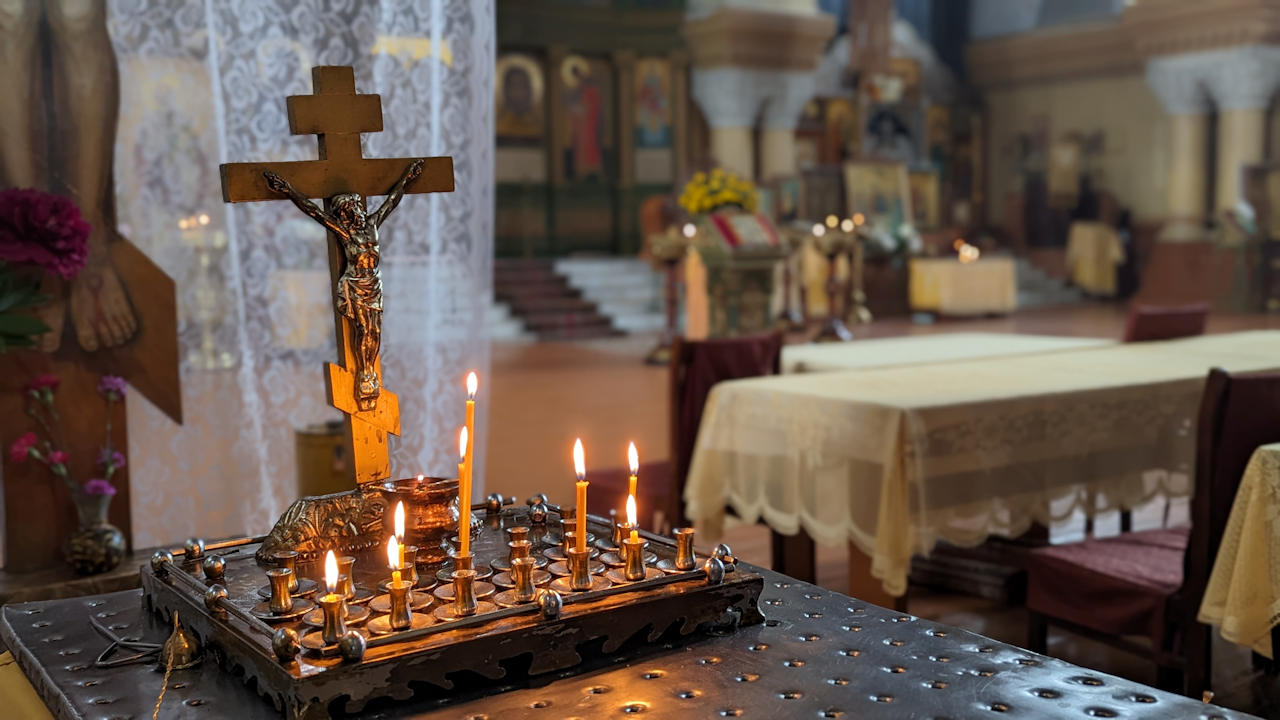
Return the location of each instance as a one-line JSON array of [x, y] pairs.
[[542, 321], [532, 304]]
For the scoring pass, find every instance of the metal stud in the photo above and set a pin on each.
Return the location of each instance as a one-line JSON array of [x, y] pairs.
[[551, 604], [286, 644], [194, 549], [160, 562], [215, 568], [352, 646], [714, 570], [212, 596]]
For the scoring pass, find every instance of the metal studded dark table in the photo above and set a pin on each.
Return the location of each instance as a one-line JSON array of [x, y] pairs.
[[819, 654]]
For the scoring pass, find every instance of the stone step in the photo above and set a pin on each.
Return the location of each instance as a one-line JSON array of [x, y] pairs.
[[532, 304], [539, 322], [627, 290]]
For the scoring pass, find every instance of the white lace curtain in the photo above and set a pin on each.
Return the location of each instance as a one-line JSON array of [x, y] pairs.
[[203, 82]]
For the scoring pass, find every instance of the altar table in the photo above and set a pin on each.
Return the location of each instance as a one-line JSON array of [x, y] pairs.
[[893, 460], [918, 349], [818, 654], [1243, 594], [947, 286]]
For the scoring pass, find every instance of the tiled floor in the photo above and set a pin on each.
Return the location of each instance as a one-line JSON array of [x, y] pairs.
[[546, 394]]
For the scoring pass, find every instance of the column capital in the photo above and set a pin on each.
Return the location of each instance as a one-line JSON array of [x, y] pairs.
[[788, 93], [728, 96], [1244, 78], [1179, 83]]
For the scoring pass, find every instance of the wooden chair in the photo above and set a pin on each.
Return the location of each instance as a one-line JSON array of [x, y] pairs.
[[696, 366], [1153, 322], [1151, 583]]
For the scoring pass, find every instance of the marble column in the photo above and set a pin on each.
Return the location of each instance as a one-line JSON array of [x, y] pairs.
[[791, 91], [1181, 91], [1241, 82], [730, 100]]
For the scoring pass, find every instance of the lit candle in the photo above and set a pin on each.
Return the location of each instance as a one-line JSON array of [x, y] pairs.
[[331, 574], [394, 555], [472, 385], [464, 510], [631, 516], [633, 460], [580, 469], [399, 527]]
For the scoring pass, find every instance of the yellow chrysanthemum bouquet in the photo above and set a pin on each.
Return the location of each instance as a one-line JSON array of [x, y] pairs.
[[708, 192]]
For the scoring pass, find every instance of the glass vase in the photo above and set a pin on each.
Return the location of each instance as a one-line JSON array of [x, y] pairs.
[[96, 546]]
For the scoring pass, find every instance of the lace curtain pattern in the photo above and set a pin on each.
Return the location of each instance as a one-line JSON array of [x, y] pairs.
[[203, 82]]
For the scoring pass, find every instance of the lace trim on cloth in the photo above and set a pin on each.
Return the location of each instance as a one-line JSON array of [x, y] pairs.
[[895, 481], [1243, 594]]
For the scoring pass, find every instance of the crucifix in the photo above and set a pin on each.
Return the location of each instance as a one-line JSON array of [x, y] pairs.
[[343, 178]]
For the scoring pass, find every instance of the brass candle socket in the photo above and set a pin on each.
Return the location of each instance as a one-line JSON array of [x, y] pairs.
[[335, 625], [634, 555], [520, 549], [684, 549], [522, 574], [464, 590], [579, 569], [517, 533], [463, 562], [288, 560], [410, 569], [345, 588], [620, 531], [569, 541], [399, 617], [280, 601]]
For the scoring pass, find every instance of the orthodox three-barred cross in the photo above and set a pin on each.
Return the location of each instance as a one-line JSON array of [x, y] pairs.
[[337, 115]]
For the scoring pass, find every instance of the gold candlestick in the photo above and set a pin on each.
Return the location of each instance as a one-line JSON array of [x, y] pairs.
[[519, 550], [684, 560], [335, 625], [522, 573], [399, 617], [579, 569], [635, 569], [288, 560], [346, 588], [464, 590], [281, 601]]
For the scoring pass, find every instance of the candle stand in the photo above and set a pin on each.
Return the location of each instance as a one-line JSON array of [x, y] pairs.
[[421, 642], [833, 244], [859, 314], [668, 249], [792, 317]]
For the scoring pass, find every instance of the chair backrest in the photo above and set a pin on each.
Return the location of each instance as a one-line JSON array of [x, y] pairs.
[[698, 365], [1151, 322], [1238, 413]]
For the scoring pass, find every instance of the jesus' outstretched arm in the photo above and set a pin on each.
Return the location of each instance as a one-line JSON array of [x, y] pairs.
[[282, 186], [394, 195]]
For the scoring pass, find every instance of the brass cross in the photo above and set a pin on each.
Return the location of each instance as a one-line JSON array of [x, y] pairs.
[[337, 115]]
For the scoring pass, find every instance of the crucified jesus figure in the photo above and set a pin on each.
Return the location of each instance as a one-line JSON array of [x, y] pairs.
[[359, 288]]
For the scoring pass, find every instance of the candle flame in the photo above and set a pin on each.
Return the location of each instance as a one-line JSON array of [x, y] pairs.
[[579, 460], [462, 443], [633, 459], [859, 219], [631, 510], [473, 383], [393, 553], [330, 571], [400, 521]]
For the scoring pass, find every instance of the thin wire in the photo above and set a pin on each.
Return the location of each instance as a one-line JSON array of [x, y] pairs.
[[164, 685]]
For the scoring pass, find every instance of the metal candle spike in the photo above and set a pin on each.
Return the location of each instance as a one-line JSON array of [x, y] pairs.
[[281, 601], [684, 549], [579, 569], [522, 574], [399, 616], [464, 590], [634, 556], [335, 625], [619, 532]]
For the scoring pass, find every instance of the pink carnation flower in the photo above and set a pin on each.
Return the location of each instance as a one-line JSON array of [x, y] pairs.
[[98, 486], [43, 382], [43, 229], [57, 457], [112, 387], [22, 447]]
